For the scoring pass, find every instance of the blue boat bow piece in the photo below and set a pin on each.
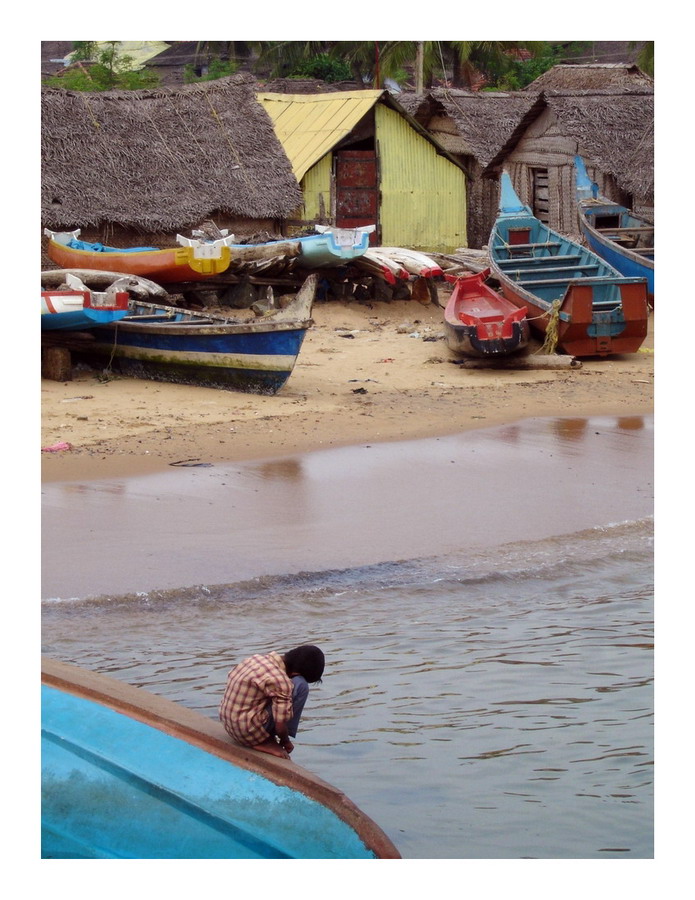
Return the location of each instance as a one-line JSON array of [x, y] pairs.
[[128, 775]]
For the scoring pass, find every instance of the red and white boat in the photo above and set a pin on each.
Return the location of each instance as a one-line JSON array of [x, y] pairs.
[[73, 306]]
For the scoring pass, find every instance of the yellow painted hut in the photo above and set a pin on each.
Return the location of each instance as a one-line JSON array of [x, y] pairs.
[[361, 159]]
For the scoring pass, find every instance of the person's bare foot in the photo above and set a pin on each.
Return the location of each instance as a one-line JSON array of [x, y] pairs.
[[273, 748]]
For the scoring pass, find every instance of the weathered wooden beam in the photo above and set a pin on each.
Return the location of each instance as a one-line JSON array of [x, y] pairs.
[[96, 278], [531, 361], [56, 364], [246, 253]]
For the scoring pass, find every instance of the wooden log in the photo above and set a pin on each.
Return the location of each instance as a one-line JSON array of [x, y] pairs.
[[531, 361], [421, 291], [56, 364], [95, 278], [245, 253]]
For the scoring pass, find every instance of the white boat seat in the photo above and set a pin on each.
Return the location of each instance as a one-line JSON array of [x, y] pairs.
[[510, 263], [512, 247], [641, 229], [541, 282], [593, 267]]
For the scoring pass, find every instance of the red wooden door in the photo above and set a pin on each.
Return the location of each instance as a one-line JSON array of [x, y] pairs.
[[357, 196]]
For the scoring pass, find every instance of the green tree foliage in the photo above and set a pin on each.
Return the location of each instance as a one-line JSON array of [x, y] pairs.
[[645, 56], [216, 68], [102, 69], [324, 66], [370, 62]]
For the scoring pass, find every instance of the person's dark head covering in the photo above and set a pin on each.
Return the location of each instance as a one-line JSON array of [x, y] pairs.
[[307, 661]]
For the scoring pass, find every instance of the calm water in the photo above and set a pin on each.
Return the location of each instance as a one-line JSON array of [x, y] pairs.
[[493, 704]]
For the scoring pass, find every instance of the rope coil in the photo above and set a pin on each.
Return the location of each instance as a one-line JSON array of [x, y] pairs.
[[552, 331]]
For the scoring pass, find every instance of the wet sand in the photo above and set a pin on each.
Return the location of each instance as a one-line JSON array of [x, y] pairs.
[[346, 507], [366, 372], [170, 486]]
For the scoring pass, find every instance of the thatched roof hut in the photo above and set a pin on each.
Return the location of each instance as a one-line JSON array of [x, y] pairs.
[[363, 160], [304, 86], [468, 123], [591, 77], [472, 126], [157, 161], [612, 129]]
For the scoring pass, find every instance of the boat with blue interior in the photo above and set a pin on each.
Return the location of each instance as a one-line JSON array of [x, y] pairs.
[[574, 299], [167, 343], [129, 775], [618, 235]]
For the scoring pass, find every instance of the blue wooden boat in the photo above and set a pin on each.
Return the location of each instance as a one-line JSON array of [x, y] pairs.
[[572, 297], [329, 247], [128, 775], [73, 306], [623, 239], [334, 246], [165, 343]]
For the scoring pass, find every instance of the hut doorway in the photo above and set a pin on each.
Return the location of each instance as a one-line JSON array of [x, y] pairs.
[[540, 196], [356, 190]]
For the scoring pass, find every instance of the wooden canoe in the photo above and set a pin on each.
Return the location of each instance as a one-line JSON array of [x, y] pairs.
[[73, 306], [623, 239], [333, 246], [129, 775], [165, 343], [196, 260], [572, 297], [481, 322]]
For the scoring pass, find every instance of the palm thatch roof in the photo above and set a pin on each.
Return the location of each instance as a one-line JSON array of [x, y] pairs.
[[613, 130], [591, 77], [485, 120], [304, 86], [161, 160]]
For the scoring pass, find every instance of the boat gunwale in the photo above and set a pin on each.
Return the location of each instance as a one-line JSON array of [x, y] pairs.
[[116, 252], [131, 325], [198, 730], [531, 299], [627, 252], [451, 311]]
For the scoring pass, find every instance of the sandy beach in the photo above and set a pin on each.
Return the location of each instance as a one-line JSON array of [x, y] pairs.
[[368, 371]]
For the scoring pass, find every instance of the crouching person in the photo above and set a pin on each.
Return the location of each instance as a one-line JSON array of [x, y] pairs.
[[265, 696]]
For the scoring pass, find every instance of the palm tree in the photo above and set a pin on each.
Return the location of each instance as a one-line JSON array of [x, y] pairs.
[[373, 61], [464, 59]]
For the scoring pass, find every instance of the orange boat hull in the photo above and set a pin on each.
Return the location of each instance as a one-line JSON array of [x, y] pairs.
[[174, 264], [580, 330]]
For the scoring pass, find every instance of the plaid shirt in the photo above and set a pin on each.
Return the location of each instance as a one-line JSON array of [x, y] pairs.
[[251, 685]]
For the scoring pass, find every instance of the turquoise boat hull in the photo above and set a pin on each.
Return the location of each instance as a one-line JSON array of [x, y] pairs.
[[80, 320], [575, 301], [126, 775], [330, 247]]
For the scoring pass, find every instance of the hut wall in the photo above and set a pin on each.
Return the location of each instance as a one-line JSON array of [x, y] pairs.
[[544, 146], [423, 194], [319, 192]]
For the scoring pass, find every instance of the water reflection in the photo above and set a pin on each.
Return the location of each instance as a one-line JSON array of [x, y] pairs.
[[570, 429], [288, 469], [631, 423]]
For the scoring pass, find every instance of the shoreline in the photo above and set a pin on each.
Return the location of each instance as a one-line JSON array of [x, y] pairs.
[[367, 373]]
